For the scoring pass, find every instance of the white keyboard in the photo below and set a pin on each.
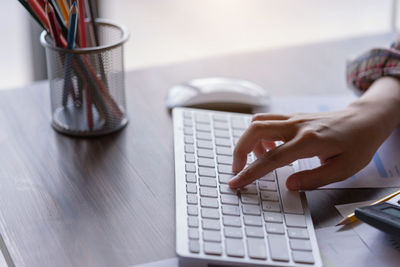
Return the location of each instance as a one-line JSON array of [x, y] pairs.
[[262, 224]]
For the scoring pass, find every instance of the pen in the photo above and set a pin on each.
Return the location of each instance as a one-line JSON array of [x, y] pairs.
[[352, 218], [70, 45]]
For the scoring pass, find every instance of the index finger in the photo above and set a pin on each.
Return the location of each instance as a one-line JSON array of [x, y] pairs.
[[259, 131], [278, 157]]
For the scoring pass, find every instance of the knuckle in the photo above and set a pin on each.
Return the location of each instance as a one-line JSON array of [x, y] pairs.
[[257, 117], [256, 126], [309, 134]]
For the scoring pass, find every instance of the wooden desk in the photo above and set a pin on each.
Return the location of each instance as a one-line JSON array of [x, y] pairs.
[[110, 201]]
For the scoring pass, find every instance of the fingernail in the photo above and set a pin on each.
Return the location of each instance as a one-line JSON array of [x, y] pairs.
[[232, 181], [293, 184]]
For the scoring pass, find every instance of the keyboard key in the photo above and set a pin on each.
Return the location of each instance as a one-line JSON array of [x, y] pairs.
[[204, 144], [303, 257], [249, 199], [275, 228], [189, 139], [205, 153], [299, 244], [189, 149], [270, 206], [212, 236], [251, 209], [188, 122], [212, 248], [192, 199], [203, 136], [190, 177], [227, 151], [222, 134], [206, 162], [193, 234], [254, 232], [230, 199], [222, 125], [192, 210], [190, 167], [232, 221], [224, 160], [208, 192], [225, 189], [203, 128], [194, 246], [227, 169], [295, 220], [206, 181], [256, 248], [291, 201], [206, 202], [252, 220], [298, 233], [223, 142], [187, 115], [188, 130], [237, 132], [238, 123], [273, 217], [189, 158], [224, 178], [230, 210], [202, 118], [218, 117], [269, 195], [268, 177], [233, 232], [193, 221], [207, 213], [278, 247], [267, 185], [249, 189], [234, 247], [209, 224], [191, 188], [204, 171]]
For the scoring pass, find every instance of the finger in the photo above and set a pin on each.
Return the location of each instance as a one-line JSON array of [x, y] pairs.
[[269, 116], [269, 145], [333, 171], [271, 131], [278, 157], [259, 150]]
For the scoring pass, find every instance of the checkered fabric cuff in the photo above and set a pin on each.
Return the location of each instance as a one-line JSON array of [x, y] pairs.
[[365, 69]]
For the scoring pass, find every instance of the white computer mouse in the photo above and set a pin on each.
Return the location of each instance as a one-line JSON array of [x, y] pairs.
[[218, 93]]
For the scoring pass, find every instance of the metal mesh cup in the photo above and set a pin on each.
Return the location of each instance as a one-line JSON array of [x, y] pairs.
[[87, 85]]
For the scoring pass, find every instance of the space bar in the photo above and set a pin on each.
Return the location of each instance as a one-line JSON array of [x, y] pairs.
[[291, 201]]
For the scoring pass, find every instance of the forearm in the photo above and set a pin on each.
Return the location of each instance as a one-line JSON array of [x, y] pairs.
[[382, 100]]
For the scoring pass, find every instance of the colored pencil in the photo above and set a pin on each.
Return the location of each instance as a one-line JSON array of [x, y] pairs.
[[39, 12], [59, 17], [63, 6], [54, 30], [82, 26], [70, 45], [26, 6]]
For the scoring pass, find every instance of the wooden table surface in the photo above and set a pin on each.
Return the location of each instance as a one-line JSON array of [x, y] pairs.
[[109, 201]]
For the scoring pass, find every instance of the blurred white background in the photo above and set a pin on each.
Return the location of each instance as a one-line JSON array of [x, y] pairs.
[[168, 31]]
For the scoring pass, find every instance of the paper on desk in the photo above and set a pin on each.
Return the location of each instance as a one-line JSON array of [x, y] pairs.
[[382, 171], [382, 246]]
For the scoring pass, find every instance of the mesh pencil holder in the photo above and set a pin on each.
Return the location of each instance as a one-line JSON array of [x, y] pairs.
[[87, 85]]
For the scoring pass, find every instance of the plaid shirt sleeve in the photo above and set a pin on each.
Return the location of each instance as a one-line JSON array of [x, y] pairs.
[[365, 69]]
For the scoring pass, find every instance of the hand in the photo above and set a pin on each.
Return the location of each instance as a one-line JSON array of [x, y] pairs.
[[345, 141]]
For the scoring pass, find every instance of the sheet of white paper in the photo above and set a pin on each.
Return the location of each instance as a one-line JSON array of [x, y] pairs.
[[382, 246], [382, 171]]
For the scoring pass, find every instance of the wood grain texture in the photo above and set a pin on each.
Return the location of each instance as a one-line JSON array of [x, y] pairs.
[[109, 201]]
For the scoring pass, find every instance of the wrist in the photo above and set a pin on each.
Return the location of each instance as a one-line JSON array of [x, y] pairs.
[[382, 102]]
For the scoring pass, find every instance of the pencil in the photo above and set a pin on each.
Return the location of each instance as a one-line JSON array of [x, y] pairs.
[[82, 26], [70, 45], [39, 12], [352, 218], [26, 6], [59, 17], [54, 30], [63, 6]]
